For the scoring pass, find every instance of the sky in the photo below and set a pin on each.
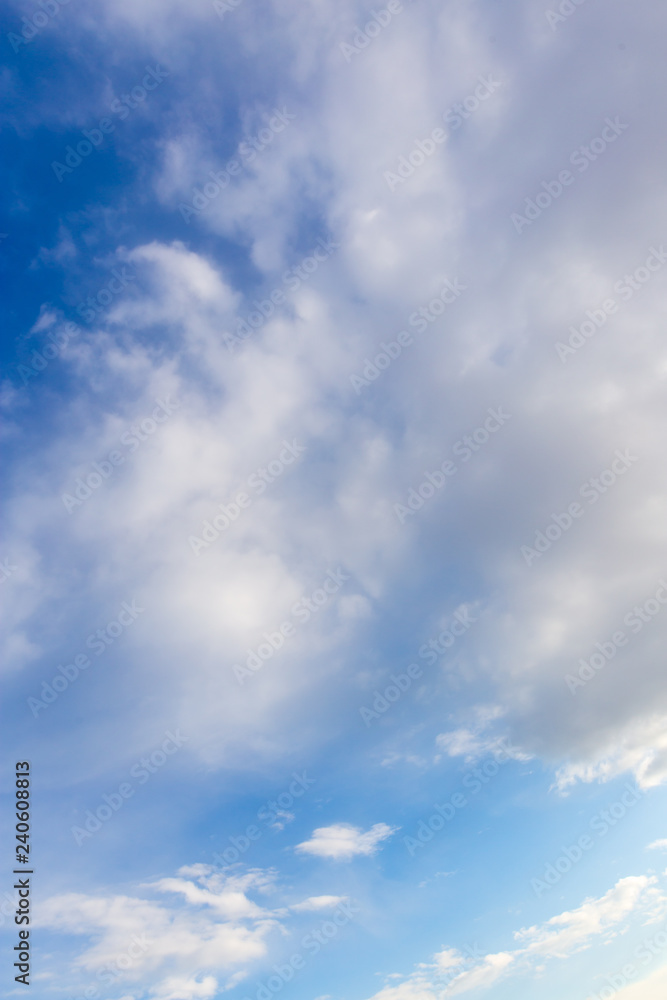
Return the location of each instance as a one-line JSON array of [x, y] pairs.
[[333, 563]]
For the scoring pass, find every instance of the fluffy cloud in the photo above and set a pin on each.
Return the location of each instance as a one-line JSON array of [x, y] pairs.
[[292, 378], [548, 589], [217, 930], [342, 841], [396, 248]]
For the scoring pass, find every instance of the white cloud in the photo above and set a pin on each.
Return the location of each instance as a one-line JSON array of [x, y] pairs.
[[318, 903], [292, 377], [658, 845], [184, 988], [475, 741], [229, 903], [473, 745], [342, 841], [571, 931], [217, 930], [558, 938], [448, 958], [489, 971], [567, 420], [640, 747]]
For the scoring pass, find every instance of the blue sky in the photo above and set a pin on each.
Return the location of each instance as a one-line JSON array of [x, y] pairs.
[[334, 558]]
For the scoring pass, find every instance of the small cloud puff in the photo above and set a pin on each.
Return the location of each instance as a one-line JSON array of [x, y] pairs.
[[342, 842]]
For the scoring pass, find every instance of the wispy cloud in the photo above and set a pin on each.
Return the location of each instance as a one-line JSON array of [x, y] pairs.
[[558, 938]]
